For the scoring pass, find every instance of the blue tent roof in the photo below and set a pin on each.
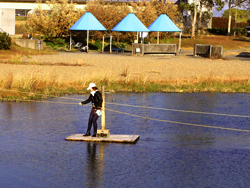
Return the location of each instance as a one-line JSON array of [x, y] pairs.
[[88, 22], [130, 24], [163, 23]]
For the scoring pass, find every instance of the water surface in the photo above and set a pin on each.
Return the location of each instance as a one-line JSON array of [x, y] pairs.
[[34, 152]]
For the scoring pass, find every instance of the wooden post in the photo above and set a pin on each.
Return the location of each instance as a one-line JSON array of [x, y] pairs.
[[103, 108], [103, 132]]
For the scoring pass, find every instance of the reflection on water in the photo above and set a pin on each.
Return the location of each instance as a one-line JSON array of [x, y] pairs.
[[34, 152], [94, 171]]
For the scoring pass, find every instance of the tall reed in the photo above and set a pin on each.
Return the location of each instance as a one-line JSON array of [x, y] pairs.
[[51, 84]]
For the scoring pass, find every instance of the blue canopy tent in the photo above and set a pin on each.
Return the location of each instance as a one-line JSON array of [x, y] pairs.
[[164, 24], [129, 23], [88, 22]]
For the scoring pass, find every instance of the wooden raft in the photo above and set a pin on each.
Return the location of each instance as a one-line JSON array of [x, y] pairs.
[[132, 139]]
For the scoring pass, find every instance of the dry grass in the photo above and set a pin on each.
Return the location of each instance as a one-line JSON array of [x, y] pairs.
[[17, 53], [117, 68], [49, 72], [228, 42]]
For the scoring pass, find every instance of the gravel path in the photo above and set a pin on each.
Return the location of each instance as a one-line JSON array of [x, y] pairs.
[[124, 66]]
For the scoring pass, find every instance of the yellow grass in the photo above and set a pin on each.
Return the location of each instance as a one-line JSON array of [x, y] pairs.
[[228, 42], [45, 72], [118, 68]]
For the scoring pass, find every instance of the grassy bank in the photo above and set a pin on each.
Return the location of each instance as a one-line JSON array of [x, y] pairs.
[[37, 89], [16, 53], [24, 75]]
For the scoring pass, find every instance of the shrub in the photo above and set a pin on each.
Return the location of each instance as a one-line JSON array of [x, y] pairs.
[[248, 21], [215, 31], [5, 41], [59, 41]]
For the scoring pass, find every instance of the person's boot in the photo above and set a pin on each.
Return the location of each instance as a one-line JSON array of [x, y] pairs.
[[87, 133], [94, 135]]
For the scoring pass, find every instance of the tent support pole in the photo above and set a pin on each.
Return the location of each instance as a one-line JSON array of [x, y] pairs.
[[110, 42], [103, 42], [149, 37], [70, 40], [87, 41], [158, 37], [180, 42]]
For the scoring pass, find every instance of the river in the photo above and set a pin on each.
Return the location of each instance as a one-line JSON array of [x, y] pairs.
[[34, 152]]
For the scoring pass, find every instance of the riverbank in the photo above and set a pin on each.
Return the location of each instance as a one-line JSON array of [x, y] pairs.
[[71, 72]]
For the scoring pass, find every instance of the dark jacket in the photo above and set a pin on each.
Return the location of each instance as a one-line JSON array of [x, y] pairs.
[[96, 100]]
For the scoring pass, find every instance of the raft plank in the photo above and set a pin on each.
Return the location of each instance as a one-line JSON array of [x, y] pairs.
[[111, 138]]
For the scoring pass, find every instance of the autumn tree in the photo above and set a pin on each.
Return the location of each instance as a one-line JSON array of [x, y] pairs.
[[109, 14], [147, 12], [54, 23], [62, 15]]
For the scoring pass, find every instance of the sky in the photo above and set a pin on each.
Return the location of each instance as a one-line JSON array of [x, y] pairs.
[[218, 13]]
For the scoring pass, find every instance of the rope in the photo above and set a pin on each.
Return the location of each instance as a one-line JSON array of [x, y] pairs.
[[186, 111], [141, 127], [182, 123], [153, 119], [174, 110]]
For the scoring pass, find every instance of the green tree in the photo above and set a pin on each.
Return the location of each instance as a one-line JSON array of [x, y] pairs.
[[195, 10], [241, 14]]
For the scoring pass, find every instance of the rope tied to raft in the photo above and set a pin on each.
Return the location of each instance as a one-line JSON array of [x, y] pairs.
[[141, 127], [137, 106], [148, 118]]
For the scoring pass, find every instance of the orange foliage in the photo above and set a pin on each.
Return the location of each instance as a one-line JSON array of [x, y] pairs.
[[56, 22], [110, 14]]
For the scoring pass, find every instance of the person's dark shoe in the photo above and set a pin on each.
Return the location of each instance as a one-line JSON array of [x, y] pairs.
[[87, 133], [94, 135]]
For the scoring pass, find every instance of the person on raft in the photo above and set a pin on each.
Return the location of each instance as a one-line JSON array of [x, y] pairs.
[[96, 98]]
